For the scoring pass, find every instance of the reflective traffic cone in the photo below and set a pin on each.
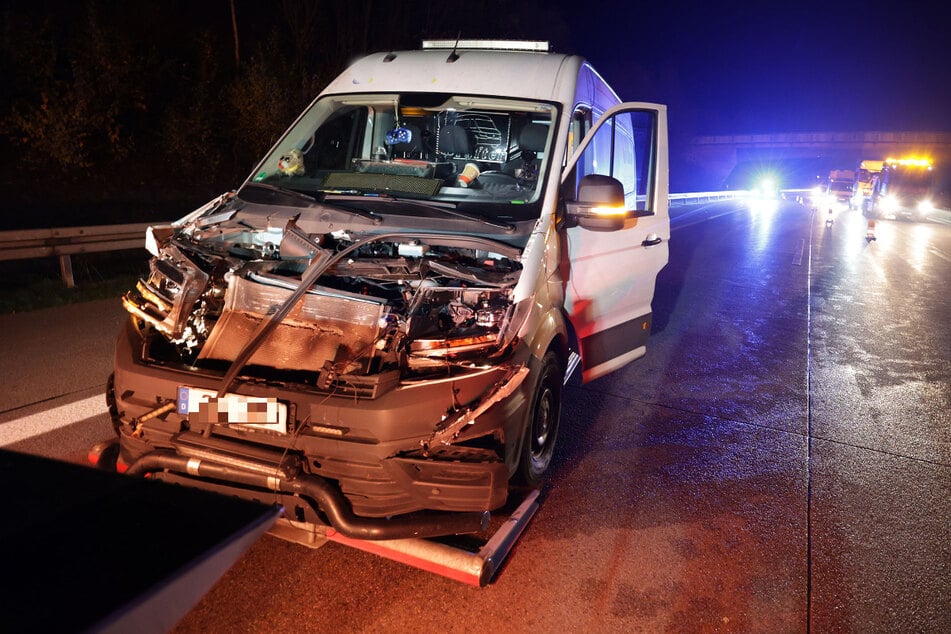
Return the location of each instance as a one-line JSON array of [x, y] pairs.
[[829, 219], [870, 231]]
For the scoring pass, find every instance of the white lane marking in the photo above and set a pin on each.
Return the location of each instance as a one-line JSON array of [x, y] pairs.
[[934, 251], [797, 259], [42, 422]]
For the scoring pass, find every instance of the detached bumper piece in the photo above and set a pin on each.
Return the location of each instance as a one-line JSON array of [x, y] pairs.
[[475, 567], [461, 554], [255, 480]]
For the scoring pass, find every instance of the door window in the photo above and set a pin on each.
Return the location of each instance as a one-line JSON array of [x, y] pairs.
[[623, 147]]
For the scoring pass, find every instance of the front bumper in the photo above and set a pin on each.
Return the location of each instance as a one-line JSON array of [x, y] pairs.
[[344, 460]]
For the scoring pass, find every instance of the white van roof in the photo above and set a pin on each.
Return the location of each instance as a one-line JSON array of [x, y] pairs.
[[527, 74]]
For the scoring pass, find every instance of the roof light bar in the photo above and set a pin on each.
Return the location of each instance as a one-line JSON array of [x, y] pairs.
[[917, 162], [487, 45]]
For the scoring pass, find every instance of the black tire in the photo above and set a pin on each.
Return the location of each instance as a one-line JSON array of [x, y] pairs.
[[541, 426], [111, 404]]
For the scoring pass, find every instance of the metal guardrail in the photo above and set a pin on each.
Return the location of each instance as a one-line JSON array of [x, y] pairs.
[[67, 241], [703, 197], [40, 243]]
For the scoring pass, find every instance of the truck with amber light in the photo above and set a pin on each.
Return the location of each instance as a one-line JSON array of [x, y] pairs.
[[375, 328], [903, 188], [866, 174]]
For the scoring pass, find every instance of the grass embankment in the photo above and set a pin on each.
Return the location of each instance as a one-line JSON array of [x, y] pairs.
[[28, 285], [33, 284]]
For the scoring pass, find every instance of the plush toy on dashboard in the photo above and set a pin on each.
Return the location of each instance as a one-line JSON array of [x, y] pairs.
[[291, 163]]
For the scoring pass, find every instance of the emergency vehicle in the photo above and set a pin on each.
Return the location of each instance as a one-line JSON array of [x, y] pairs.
[[865, 175], [905, 187]]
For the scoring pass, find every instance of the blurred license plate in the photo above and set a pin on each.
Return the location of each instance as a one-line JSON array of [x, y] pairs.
[[203, 406]]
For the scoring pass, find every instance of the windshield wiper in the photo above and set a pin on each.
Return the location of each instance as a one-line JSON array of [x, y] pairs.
[[281, 190], [362, 213], [450, 210]]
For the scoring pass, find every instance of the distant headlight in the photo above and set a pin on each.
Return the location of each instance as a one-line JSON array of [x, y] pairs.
[[925, 206], [889, 203], [766, 188]]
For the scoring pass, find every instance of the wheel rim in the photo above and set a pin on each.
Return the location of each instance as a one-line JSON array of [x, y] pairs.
[[541, 428]]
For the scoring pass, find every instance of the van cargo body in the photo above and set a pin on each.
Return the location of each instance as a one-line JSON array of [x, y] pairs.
[[375, 328]]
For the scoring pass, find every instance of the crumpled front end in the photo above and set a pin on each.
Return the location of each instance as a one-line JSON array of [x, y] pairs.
[[348, 376]]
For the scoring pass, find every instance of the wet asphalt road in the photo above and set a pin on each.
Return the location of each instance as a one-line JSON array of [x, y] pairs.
[[780, 461]]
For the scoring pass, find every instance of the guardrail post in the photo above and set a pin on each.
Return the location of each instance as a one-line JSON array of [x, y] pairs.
[[65, 242], [66, 270]]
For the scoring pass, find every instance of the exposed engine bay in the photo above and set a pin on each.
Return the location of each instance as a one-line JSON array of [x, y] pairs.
[[374, 310]]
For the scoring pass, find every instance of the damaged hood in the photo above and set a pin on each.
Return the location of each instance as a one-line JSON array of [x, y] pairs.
[[328, 295]]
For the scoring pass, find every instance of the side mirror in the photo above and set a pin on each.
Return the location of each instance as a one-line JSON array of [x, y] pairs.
[[600, 205]]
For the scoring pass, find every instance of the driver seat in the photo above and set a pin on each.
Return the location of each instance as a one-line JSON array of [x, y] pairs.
[[454, 142], [531, 141]]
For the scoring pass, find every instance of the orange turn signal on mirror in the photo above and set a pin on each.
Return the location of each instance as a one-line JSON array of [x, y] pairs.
[[609, 211]]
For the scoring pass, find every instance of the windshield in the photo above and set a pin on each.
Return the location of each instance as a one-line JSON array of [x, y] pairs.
[[489, 155], [838, 186], [910, 180]]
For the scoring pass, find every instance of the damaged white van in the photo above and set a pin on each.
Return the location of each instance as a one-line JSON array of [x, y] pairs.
[[375, 328]]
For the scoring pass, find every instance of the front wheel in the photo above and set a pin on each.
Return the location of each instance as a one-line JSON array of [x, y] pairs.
[[541, 428]]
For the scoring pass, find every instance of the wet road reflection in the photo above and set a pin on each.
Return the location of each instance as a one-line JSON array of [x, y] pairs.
[[777, 462]]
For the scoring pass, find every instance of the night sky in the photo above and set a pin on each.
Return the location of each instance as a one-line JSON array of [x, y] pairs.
[[740, 67], [722, 67]]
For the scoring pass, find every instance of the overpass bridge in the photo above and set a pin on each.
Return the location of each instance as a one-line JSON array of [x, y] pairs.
[[718, 159]]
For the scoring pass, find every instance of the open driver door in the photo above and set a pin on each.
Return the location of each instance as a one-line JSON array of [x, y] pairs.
[[616, 228]]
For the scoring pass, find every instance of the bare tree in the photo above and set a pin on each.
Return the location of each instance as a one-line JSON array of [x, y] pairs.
[[234, 28]]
